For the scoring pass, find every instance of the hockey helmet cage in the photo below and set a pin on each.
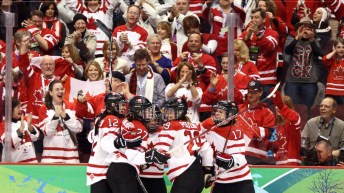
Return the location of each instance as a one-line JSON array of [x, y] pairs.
[[137, 106], [175, 109], [230, 109], [116, 104]]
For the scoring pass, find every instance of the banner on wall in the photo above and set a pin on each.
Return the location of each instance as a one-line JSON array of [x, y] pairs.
[[72, 179]]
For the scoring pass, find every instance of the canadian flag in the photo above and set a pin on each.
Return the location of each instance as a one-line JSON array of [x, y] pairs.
[[89, 88]]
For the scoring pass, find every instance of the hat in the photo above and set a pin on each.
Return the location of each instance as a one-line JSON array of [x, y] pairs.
[[254, 85], [118, 75], [79, 16], [305, 21]]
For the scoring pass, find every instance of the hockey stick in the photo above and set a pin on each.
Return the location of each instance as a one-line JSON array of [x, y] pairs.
[[226, 120], [108, 33], [141, 184]]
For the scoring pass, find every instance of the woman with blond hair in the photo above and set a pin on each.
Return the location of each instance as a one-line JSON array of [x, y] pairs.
[[242, 60], [93, 71]]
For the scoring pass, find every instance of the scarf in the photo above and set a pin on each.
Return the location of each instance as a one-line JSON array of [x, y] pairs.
[[149, 84]]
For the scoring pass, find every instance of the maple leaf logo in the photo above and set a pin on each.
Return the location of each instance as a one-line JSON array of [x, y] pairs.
[[91, 24], [38, 95], [339, 73], [189, 103]]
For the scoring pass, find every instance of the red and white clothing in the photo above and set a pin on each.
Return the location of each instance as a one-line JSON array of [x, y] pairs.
[[137, 37], [203, 79], [289, 138], [37, 85], [207, 60], [133, 156], [289, 9], [22, 149], [58, 26], [267, 54], [93, 107], [175, 133], [196, 7], [209, 44], [155, 170], [104, 13], [2, 47], [97, 166], [169, 49], [49, 36], [249, 68], [217, 19], [335, 79], [259, 119], [62, 67], [193, 104], [58, 146], [220, 92], [235, 147]]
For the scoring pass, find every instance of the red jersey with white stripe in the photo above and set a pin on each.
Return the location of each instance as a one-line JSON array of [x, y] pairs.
[[259, 119], [175, 133], [220, 26], [196, 7], [137, 37], [58, 146], [235, 147], [289, 138], [97, 166], [49, 36], [22, 149], [267, 54], [335, 79], [155, 170], [36, 84], [133, 156]]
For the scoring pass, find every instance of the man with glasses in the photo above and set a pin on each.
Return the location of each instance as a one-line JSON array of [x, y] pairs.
[[43, 40], [326, 124], [137, 34]]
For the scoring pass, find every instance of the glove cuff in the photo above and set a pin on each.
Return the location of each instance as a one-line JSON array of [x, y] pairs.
[[33, 30]]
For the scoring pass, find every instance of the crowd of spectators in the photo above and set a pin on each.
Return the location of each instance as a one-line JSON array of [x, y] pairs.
[[178, 48]]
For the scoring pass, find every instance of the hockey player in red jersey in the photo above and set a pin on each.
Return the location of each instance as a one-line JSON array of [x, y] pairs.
[[107, 124], [185, 168], [227, 141], [126, 148], [152, 175]]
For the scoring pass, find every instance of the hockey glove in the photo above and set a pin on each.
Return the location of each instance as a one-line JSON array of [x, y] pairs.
[[277, 99], [224, 161], [208, 176], [132, 143], [156, 156], [209, 180], [119, 142]]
